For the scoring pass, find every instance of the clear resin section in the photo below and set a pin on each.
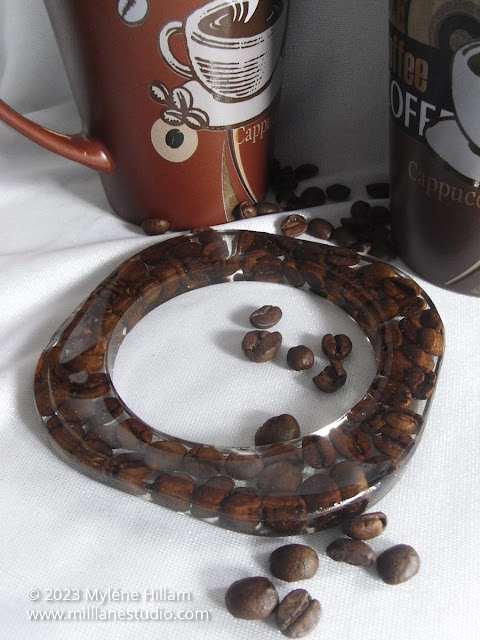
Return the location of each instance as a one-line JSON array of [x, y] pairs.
[[297, 486]]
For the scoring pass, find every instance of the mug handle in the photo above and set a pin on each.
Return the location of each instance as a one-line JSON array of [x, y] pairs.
[[78, 147], [166, 32]]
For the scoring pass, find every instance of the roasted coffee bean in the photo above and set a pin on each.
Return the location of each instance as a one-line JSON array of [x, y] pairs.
[[306, 171], [332, 378], [320, 228], [284, 514], [283, 453], [155, 226], [365, 526], [300, 358], [173, 490], [336, 347], [338, 192], [294, 562], [166, 455], [418, 356], [380, 216], [207, 497], [131, 470], [243, 466], [372, 275], [351, 551], [405, 420], [392, 393], [349, 478], [133, 432], [421, 383], [360, 209], [351, 443], [430, 319], [251, 598], [392, 442], [203, 461], [313, 197], [261, 346], [320, 492], [378, 190], [277, 429], [266, 317], [294, 225], [265, 208], [344, 237], [409, 328], [240, 510], [318, 452], [286, 179], [430, 341], [298, 614], [245, 210], [362, 247], [279, 477], [398, 564]]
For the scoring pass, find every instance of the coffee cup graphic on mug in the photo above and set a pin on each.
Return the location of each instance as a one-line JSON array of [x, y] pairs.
[[177, 100], [233, 51]]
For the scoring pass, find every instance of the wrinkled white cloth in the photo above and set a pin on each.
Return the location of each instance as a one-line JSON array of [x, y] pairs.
[[67, 538]]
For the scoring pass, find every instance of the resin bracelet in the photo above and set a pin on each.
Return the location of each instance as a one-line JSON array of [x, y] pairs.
[[334, 472]]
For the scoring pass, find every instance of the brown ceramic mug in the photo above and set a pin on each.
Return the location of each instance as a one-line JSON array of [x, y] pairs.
[[177, 101]]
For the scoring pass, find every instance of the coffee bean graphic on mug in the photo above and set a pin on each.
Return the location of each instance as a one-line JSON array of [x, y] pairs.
[[133, 12]]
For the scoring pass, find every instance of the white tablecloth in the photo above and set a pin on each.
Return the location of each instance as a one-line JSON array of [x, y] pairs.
[[63, 531]]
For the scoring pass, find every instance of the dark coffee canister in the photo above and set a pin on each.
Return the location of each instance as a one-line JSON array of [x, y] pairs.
[[435, 139]]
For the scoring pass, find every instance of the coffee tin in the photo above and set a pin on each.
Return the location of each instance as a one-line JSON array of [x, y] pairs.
[[435, 139]]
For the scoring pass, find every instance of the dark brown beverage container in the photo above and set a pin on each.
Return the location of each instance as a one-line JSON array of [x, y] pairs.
[[435, 139], [177, 100]]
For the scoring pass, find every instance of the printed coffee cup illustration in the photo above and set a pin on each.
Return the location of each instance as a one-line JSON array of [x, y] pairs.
[[457, 139], [233, 46], [178, 116]]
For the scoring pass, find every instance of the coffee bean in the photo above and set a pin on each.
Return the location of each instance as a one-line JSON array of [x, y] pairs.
[[283, 453], [365, 526], [277, 429], [338, 192], [203, 461], [430, 341], [284, 514], [362, 247], [265, 208], [339, 346], [279, 477], [344, 237], [286, 179], [243, 466], [266, 317], [430, 319], [300, 358], [318, 452], [245, 210], [155, 226], [207, 497], [380, 216], [320, 228], [251, 598], [398, 564], [378, 190], [173, 490], [298, 614], [294, 225], [332, 378], [313, 197], [320, 492], [294, 562], [351, 551], [261, 346], [165, 455], [351, 443], [306, 171], [240, 510], [349, 478], [360, 209]]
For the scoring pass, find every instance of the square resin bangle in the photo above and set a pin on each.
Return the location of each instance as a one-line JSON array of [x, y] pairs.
[[330, 476]]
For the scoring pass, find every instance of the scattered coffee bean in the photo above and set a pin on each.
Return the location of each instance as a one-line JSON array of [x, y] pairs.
[[338, 192], [365, 526], [155, 226], [320, 228], [344, 237], [398, 564], [294, 562], [266, 317], [360, 209], [313, 197], [245, 210], [306, 171], [277, 429], [339, 346], [294, 225], [378, 190], [354, 552], [265, 208], [298, 614], [251, 598], [300, 358], [332, 378], [261, 346]]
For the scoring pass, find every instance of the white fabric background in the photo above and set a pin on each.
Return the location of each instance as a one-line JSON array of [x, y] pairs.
[[61, 529]]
